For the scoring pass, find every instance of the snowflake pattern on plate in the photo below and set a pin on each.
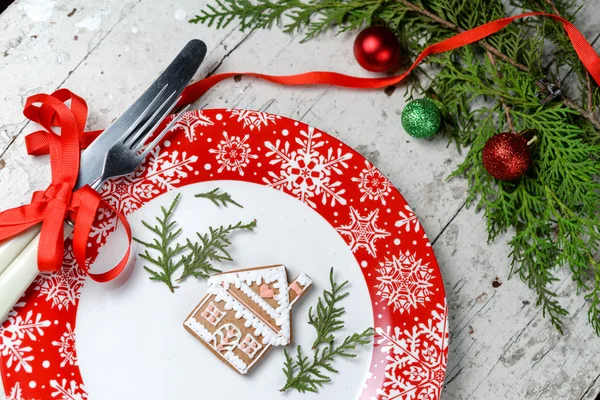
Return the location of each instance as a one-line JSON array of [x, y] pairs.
[[405, 282], [408, 220], [38, 344], [416, 357], [372, 184], [68, 390], [253, 119], [16, 330], [362, 231], [233, 153], [190, 122], [66, 347], [307, 171], [61, 288]]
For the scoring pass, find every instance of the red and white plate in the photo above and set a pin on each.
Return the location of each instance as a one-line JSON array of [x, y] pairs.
[[318, 205]]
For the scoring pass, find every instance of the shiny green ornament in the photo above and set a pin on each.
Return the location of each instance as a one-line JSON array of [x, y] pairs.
[[421, 118]]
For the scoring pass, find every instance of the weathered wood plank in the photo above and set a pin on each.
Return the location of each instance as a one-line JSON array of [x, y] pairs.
[[500, 344], [500, 348]]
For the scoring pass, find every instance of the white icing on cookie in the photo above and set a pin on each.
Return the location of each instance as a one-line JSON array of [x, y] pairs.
[[274, 276], [199, 329], [304, 280], [236, 362]]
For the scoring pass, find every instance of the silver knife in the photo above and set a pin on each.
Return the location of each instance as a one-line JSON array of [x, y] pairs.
[[177, 76]]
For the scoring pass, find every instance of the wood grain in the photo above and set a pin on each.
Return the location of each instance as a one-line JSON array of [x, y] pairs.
[[109, 52]]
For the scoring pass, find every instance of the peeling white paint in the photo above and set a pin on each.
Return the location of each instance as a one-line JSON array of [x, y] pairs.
[[38, 10], [91, 23], [180, 15]]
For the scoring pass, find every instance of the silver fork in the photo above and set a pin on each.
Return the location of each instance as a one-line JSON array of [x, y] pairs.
[[128, 152], [122, 158]]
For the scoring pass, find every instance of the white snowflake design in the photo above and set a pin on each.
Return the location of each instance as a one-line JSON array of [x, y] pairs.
[[15, 329], [253, 119], [372, 184], [233, 153], [62, 288], [16, 393], [405, 282], [105, 223], [163, 172], [363, 231], [416, 358], [306, 173], [68, 390], [66, 347], [408, 221], [190, 121]]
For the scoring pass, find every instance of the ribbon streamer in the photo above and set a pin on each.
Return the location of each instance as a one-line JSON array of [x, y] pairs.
[[584, 49], [58, 201]]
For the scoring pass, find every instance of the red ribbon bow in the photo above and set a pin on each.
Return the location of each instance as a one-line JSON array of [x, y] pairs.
[[53, 205], [57, 202]]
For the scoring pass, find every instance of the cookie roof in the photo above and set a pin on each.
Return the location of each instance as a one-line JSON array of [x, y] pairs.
[[274, 276]]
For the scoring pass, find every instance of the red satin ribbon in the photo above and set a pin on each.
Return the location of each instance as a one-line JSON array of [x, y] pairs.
[[57, 202], [52, 206], [584, 49]]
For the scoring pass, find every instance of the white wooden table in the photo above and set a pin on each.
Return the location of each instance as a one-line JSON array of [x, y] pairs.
[[109, 51]]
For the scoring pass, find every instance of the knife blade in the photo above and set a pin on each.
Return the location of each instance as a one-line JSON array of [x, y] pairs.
[[177, 76]]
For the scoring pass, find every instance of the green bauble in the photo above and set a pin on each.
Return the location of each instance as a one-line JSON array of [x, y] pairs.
[[421, 118]]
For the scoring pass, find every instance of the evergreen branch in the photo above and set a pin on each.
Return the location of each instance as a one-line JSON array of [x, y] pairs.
[[327, 319], [167, 233], [486, 46], [553, 209], [212, 247], [587, 114], [305, 375], [216, 197]]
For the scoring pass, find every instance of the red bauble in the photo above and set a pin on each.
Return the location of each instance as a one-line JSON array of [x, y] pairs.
[[376, 49], [506, 156]]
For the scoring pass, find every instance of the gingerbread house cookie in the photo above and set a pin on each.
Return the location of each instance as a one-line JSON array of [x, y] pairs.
[[245, 313]]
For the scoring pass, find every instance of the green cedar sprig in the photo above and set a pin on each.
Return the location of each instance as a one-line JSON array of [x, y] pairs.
[[218, 199], [488, 88], [307, 375], [196, 257], [167, 261], [212, 247], [327, 319]]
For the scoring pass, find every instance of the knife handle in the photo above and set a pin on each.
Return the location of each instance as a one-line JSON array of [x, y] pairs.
[[11, 248], [19, 275]]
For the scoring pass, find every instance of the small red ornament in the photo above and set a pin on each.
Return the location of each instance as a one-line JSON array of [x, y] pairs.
[[506, 156], [376, 49]]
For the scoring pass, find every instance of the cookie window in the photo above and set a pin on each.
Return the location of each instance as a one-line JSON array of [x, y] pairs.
[[250, 346], [226, 338], [212, 314]]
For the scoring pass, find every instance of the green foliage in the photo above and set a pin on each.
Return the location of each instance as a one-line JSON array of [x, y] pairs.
[[308, 375], [195, 257], [327, 319], [166, 261], [314, 16], [212, 247], [553, 211], [218, 199]]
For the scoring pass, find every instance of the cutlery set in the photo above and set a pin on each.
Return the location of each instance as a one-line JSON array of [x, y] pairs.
[[118, 151]]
